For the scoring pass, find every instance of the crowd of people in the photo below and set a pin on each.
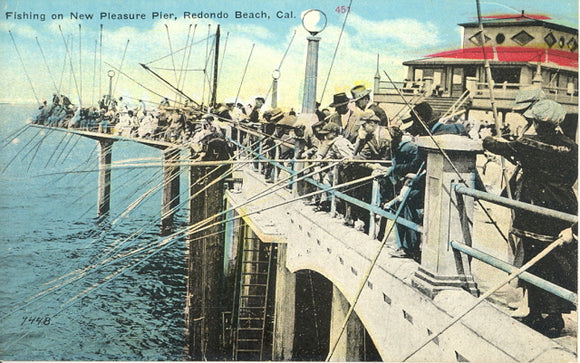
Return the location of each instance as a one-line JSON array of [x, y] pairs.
[[360, 135]]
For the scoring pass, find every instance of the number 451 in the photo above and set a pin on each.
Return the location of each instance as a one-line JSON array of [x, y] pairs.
[[342, 9]]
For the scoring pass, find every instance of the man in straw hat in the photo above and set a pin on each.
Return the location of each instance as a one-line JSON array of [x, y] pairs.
[[362, 99], [549, 170]]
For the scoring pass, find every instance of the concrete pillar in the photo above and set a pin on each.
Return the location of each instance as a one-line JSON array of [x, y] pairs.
[[350, 347], [104, 187], [170, 190], [311, 76], [284, 309], [446, 217]]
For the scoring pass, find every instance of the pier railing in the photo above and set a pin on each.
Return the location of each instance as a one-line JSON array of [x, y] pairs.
[[462, 190]]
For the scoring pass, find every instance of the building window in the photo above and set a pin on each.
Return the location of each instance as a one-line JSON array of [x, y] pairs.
[[550, 39], [561, 42], [499, 38], [476, 39], [522, 38], [572, 44]]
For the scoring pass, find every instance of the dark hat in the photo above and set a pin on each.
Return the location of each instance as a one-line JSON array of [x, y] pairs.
[[273, 115], [288, 121], [330, 127], [339, 99], [369, 116], [423, 110], [525, 98], [359, 92]]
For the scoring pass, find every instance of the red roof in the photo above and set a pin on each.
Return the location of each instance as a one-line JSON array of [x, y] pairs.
[[514, 54], [518, 16]]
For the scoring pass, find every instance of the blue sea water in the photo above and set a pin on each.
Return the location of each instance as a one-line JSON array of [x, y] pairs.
[[73, 287]]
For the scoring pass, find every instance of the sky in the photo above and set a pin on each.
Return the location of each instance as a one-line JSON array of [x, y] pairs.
[[40, 57]]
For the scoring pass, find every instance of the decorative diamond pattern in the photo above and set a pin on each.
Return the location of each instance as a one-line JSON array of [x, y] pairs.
[[573, 44], [476, 38], [522, 38], [550, 39]]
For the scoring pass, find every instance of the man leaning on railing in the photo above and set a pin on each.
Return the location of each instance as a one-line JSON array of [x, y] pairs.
[[548, 164]]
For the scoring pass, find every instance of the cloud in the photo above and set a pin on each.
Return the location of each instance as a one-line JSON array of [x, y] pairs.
[[22, 30], [402, 32]]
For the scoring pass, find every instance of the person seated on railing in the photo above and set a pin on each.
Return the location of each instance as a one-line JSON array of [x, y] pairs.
[[549, 170], [361, 97], [334, 147]]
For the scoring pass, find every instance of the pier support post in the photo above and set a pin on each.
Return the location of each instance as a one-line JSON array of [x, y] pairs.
[[104, 187], [285, 309], [170, 189], [351, 344], [204, 305], [446, 217]]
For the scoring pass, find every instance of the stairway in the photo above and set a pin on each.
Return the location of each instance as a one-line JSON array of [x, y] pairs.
[[252, 312]]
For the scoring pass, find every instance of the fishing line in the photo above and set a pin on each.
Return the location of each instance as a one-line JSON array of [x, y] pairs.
[[18, 152], [56, 149], [94, 74], [188, 56], [422, 123], [120, 67], [223, 57], [244, 74], [177, 51], [336, 50], [80, 65], [205, 65], [183, 58], [24, 67], [46, 64], [71, 65], [282, 61], [10, 138]]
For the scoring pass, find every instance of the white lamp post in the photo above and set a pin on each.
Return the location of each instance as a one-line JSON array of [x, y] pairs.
[[314, 21]]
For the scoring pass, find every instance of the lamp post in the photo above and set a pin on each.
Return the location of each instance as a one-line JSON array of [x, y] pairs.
[[111, 74], [275, 77], [314, 21]]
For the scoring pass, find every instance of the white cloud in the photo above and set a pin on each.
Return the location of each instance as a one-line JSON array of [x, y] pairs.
[[406, 32]]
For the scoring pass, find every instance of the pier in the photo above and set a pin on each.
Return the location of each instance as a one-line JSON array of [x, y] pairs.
[[270, 278]]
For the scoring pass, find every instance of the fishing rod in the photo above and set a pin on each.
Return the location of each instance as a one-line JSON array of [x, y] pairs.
[[24, 67], [169, 84], [94, 74], [137, 82], [336, 50], [181, 70], [188, 56], [244, 74], [498, 122], [513, 275], [120, 67], [56, 148], [371, 266], [46, 65], [71, 65], [205, 65], [461, 180], [171, 52], [80, 66], [282, 60]]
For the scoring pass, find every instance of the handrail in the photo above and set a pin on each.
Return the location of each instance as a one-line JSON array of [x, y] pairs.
[[526, 276], [510, 203], [347, 198]]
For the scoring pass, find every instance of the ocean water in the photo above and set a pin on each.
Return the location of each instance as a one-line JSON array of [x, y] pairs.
[[73, 287]]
